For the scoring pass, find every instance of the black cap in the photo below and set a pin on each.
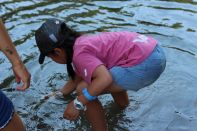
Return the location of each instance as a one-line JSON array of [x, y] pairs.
[[49, 36]]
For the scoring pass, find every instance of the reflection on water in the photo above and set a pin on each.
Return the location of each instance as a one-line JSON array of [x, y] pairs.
[[172, 22]]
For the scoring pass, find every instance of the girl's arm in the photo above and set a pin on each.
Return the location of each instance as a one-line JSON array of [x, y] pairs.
[[101, 80], [71, 85]]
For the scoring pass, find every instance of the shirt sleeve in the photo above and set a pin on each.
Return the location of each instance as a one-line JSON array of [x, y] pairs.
[[85, 65]]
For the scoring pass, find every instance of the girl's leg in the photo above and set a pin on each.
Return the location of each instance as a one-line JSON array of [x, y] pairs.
[[94, 113], [121, 99], [15, 124], [119, 95], [96, 116]]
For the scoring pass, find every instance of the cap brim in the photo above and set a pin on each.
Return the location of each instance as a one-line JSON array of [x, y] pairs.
[[41, 58]]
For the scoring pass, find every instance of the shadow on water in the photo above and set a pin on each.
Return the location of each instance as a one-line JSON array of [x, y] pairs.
[[172, 22], [179, 49]]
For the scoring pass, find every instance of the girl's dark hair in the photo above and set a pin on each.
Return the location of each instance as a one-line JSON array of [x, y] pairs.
[[67, 45]]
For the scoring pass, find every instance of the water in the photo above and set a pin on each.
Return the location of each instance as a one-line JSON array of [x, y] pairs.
[[168, 104]]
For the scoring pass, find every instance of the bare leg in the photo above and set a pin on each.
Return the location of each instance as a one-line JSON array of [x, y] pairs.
[[121, 99], [15, 124], [119, 95], [96, 116], [95, 113]]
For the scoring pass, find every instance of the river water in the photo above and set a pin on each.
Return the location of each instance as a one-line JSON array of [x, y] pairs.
[[167, 105]]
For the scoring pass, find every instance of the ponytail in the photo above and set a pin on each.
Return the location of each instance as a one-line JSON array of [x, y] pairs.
[[71, 72], [68, 43]]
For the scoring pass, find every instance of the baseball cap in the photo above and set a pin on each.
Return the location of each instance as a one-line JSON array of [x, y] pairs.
[[49, 36]]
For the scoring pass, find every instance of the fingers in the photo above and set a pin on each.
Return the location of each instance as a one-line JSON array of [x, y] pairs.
[[22, 74], [17, 79], [70, 117], [73, 118], [59, 95], [71, 113], [26, 84], [23, 87]]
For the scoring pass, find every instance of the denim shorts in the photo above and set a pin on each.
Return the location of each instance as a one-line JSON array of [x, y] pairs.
[[141, 75], [6, 110]]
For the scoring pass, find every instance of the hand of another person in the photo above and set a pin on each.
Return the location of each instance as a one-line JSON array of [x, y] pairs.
[[21, 74], [71, 113]]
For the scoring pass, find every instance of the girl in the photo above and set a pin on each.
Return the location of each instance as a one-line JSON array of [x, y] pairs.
[[111, 62]]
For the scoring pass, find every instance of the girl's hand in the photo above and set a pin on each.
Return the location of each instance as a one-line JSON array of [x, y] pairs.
[[71, 113], [59, 95]]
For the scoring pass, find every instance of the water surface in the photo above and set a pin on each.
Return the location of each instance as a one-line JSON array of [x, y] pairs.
[[168, 104]]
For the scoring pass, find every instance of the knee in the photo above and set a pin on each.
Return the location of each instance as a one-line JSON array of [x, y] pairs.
[[80, 87], [124, 104], [121, 99]]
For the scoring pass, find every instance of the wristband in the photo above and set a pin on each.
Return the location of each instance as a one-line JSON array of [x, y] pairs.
[[87, 95], [78, 105]]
